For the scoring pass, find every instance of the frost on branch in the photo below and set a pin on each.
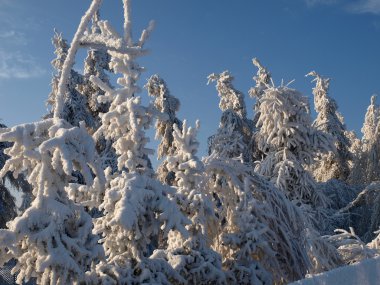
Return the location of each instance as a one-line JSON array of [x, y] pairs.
[[335, 163], [192, 257], [167, 105], [52, 240]]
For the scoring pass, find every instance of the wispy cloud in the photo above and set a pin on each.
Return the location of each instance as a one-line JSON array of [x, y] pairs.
[[16, 61], [18, 65], [13, 37], [366, 6]]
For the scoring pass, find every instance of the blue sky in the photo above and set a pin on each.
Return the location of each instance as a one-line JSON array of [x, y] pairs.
[[193, 38]]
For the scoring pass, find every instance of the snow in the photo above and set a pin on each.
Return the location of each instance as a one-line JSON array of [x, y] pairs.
[[366, 272]]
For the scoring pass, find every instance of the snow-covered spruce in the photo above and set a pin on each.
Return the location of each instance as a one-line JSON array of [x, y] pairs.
[[234, 116], [335, 163], [366, 164], [289, 142], [254, 218], [167, 105], [255, 235], [80, 100], [191, 257], [263, 81], [52, 240], [75, 107], [137, 207]]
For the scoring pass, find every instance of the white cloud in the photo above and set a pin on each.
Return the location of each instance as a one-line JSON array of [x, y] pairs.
[[366, 6], [15, 26], [18, 65], [12, 37]]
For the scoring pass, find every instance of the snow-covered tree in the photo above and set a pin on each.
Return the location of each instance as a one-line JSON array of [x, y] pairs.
[[367, 157], [255, 235], [75, 104], [192, 257], [263, 81], [168, 105], [52, 240], [81, 99], [335, 163], [289, 142], [136, 206], [234, 115], [371, 121], [255, 219]]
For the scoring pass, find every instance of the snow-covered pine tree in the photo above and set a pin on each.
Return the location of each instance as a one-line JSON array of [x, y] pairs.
[[335, 163], [371, 121], [289, 142], [367, 159], [192, 257], [234, 115], [136, 206], [255, 225], [97, 64], [52, 240], [81, 102], [168, 105], [75, 104], [263, 81]]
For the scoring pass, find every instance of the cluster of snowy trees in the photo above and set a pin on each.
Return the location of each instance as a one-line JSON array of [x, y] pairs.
[[278, 196]]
